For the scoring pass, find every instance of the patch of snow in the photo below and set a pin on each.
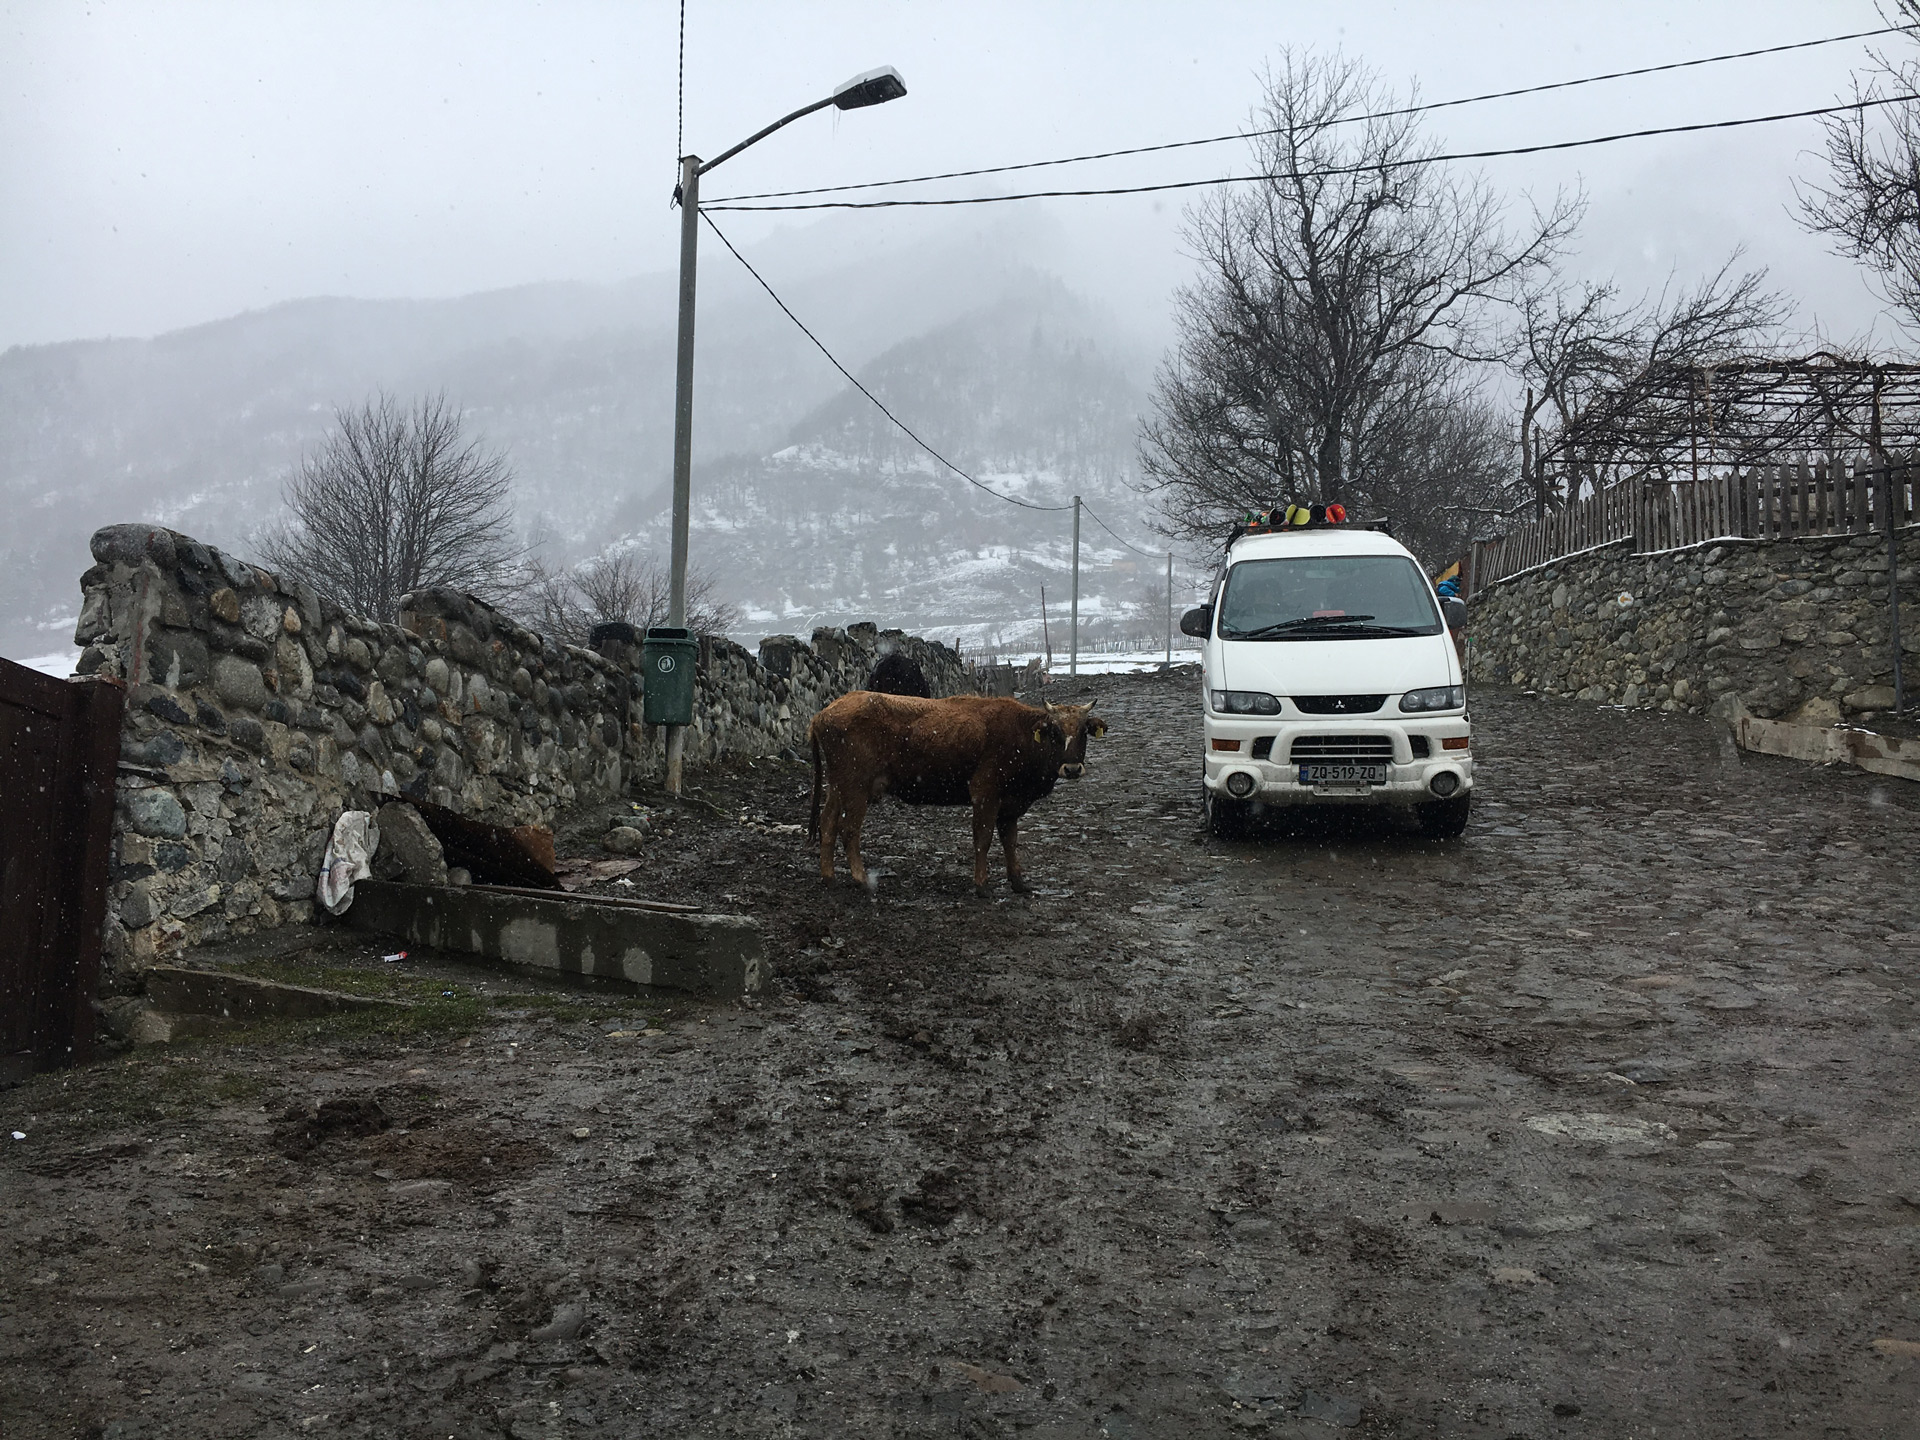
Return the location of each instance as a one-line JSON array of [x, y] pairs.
[[57, 663], [1112, 662]]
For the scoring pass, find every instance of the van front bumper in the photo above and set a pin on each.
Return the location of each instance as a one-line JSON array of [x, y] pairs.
[[1275, 766]]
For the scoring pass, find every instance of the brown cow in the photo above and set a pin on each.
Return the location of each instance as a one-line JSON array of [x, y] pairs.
[[997, 755]]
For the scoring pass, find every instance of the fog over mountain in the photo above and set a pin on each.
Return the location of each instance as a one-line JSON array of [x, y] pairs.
[[810, 506], [162, 164]]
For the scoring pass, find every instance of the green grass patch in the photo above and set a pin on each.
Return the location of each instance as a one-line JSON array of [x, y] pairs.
[[561, 1008], [439, 1007], [384, 984], [144, 1091]]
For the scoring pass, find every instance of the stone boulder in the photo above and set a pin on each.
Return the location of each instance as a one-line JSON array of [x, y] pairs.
[[623, 840], [408, 850]]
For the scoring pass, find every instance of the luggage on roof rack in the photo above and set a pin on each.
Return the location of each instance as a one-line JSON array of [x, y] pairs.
[[1291, 519]]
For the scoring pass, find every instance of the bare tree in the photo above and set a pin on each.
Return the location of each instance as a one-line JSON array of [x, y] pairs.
[[1352, 278], [621, 585], [1569, 343], [1451, 471], [1870, 206], [396, 500]]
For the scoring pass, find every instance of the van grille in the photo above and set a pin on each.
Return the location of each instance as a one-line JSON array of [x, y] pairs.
[[1342, 749], [1337, 704]]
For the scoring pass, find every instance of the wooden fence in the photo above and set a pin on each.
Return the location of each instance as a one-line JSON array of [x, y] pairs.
[[59, 745], [1773, 502]]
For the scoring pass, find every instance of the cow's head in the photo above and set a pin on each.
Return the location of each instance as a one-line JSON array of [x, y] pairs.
[[1078, 724]]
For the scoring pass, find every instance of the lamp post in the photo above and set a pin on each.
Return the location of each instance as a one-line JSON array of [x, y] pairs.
[[875, 87]]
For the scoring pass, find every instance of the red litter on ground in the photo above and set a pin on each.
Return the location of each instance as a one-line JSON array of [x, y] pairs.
[[397, 955]]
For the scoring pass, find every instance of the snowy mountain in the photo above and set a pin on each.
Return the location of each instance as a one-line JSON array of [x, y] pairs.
[[851, 519]]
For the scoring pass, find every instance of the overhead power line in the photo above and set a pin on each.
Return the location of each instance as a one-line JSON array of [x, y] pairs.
[[680, 112], [1350, 120], [1330, 169], [1150, 554], [851, 380]]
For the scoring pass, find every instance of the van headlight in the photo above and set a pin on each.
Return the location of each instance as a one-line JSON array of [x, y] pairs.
[[1244, 702], [1439, 697]]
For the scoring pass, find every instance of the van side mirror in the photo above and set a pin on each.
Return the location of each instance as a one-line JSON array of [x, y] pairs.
[[1197, 622], [1455, 609]]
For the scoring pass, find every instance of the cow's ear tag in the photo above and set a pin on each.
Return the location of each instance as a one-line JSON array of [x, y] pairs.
[[1097, 729], [1040, 734]]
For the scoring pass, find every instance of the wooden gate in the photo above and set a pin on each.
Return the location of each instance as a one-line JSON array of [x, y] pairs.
[[59, 746]]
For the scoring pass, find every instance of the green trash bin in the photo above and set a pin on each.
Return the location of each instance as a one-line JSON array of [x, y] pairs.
[[667, 659]]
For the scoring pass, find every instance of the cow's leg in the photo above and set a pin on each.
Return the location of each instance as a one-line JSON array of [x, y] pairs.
[[854, 813], [1009, 841], [829, 830], [986, 811]]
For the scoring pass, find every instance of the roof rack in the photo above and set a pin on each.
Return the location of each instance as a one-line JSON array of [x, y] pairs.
[[1269, 527]]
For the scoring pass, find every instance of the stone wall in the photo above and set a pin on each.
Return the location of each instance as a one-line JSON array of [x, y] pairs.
[[748, 705], [258, 710], [1793, 628]]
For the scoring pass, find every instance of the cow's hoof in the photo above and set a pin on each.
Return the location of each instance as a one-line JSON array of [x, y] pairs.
[[981, 892], [1018, 884]]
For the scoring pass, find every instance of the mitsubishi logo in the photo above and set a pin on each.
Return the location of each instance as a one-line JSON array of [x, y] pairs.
[[1339, 704]]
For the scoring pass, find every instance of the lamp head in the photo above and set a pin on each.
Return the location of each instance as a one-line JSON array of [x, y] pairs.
[[876, 87]]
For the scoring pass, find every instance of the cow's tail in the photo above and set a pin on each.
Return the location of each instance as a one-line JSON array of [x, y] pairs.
[[813, 820]]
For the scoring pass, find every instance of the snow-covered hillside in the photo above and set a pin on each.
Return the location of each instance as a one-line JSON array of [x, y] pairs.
[[851, 519], [810, 506]]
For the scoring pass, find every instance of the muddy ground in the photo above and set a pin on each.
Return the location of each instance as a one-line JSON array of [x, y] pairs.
[[1599, 1122]]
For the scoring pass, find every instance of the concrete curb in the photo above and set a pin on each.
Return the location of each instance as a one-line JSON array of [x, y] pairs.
[[719, 955]]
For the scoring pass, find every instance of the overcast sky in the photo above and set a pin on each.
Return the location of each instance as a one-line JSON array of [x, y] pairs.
[[167, 163]]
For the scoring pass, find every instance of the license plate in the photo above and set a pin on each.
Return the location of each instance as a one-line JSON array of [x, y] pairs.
[[1343, 774]]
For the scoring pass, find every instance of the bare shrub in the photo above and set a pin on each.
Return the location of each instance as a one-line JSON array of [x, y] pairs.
[[622, 585]]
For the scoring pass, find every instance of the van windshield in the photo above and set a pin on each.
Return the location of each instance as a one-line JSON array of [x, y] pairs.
[[1327, 597]]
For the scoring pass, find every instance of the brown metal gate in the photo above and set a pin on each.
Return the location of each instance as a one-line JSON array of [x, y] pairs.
[[59, 745]]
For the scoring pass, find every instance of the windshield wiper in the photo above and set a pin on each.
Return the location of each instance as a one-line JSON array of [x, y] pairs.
[[1305, 622], [1371, 632]]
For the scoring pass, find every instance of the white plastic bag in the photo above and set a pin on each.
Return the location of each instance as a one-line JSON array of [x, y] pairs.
[[355, 838]]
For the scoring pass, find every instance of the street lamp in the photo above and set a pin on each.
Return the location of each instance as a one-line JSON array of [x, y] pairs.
[[875, 87]]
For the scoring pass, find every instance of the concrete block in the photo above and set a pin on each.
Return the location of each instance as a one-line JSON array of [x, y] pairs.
[[1826, 745], [675, 949]]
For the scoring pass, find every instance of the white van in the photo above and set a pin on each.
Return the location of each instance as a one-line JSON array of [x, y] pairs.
[[1331, 677]]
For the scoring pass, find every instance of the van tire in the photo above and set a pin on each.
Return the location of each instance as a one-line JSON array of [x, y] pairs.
[[1227, 818], [1444, 819]]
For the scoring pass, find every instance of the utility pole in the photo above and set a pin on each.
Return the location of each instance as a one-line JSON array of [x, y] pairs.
[[1169, 609], [1046, 636], [683, 438], [1073, 662]]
